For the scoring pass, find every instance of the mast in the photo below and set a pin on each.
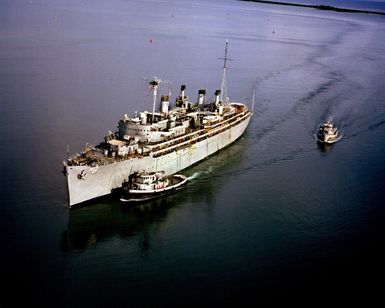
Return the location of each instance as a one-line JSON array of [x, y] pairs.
[[223, 85], [154, 87], [68, 150]]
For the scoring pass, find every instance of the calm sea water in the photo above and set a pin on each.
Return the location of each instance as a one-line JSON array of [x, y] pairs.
[[274, 216]]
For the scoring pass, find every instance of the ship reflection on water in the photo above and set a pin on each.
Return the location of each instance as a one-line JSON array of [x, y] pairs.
[[325, 147], [87, 226], [90, 225]]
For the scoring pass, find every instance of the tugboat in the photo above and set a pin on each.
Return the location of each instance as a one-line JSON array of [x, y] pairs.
[[328, 133], [144, 186]]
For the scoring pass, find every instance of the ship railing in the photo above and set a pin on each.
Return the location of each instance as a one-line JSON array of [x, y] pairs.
[[195, 134], [233, 118], [200, 138], [176, 140]]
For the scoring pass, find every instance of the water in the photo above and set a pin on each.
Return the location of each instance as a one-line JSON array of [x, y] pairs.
[[273, 217]]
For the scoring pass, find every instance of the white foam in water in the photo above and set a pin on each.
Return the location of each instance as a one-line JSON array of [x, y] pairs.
[[195, 175]]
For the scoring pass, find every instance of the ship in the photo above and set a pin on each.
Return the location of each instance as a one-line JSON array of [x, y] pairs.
[[168, 138], [144, 186], [328, 133]]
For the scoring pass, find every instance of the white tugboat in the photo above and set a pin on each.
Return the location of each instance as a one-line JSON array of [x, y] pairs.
[[145, 186], [328, 133], [170, 138]]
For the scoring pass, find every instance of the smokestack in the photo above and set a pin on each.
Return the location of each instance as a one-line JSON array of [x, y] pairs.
[[201, 96], [182, 88], [217, 94], [164, 103]]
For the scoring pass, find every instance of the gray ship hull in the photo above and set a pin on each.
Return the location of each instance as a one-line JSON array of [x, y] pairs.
[[101, 180]]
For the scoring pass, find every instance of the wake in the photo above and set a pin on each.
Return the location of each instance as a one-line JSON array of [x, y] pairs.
[[194, 176]]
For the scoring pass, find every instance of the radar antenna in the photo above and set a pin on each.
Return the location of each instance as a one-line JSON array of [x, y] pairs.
[[154, 85]]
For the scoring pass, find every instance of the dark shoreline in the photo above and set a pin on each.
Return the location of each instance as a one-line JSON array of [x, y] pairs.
[[319, 7]]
